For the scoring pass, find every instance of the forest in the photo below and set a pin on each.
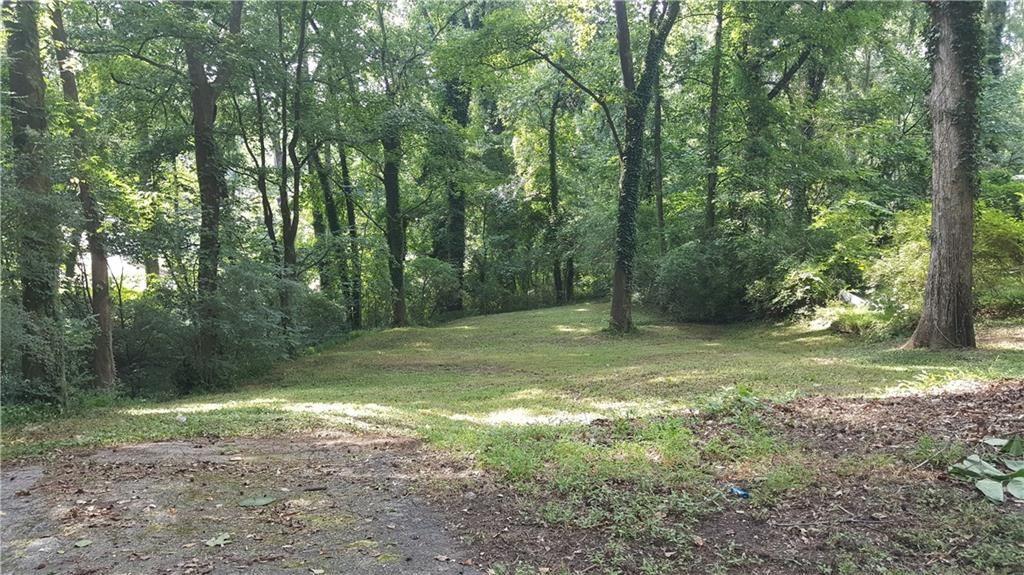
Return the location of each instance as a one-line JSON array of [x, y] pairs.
[[615, 268]]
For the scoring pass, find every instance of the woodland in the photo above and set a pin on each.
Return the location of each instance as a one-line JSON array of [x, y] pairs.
[[568, 286]]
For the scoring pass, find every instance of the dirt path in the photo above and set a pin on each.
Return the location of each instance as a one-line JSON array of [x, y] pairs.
[[342, 504]]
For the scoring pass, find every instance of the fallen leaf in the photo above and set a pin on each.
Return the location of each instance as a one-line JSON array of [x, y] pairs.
[[220, 540]]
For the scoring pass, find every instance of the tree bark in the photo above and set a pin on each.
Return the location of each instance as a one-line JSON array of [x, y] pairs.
[[103, 342], [801, 191], [394, 224], [339, 270], [555, 217], [212, 190], [712, 152], [355, 290], [955, 50], [637, 98], [996, 16], [39, 256], [659, 174]]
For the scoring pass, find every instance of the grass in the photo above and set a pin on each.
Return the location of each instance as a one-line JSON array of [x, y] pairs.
[[520, 393], [552, 367]]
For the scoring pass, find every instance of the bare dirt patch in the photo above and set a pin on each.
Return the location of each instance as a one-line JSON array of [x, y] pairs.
[[341, 504]]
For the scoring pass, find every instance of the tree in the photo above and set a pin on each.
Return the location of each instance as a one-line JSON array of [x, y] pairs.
[[212, 187], [955, 50], [40, 254], [103, 343], [637, 96]]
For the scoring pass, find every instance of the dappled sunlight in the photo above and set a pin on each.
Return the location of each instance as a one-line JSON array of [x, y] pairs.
[[574, 329], [525, 416], [929, 387], [205, 407], [581, 309]]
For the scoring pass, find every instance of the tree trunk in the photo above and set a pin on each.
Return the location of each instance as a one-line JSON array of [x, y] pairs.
[[801, 191], [103, 342], [637, 98], [339, 270], [394, 225], [555, 217], [712, 157], [659, 174], [355, 290], [570, 279], [212, 190], [39, 256], [996, 16], [955, 50]]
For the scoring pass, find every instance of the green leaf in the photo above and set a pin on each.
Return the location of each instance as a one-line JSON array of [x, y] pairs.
[[1016, 487], [1014, 464], [991, 488], [258, 501], [1014, 447], [220, 540], [975, 466], [83, 543], [996, 441]]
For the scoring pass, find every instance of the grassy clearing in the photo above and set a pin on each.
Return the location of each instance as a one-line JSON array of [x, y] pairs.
[[591, 426], [460, 383]]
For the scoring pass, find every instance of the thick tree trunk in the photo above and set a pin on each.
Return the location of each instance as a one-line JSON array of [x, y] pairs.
[[355, 289], [712, 154], [39, 256], [637, 98], [555, 217], [212, 190], [103, 342], [570, 279], [456, 103], [394, 225], [955, 49]]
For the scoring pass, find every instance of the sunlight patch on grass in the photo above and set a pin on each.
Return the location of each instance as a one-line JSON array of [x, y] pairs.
[[525, 416]]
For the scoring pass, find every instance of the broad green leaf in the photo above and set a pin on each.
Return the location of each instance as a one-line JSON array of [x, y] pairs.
[[1014, 464], [220, 540], [975, 466], [258, 501], [1016, 487], [996, 441], [991, 488]]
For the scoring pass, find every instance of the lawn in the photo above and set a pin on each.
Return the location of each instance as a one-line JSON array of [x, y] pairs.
[[544, 367], [629, 442]]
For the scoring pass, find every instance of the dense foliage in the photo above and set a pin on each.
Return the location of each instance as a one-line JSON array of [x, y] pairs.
[[268, 176]]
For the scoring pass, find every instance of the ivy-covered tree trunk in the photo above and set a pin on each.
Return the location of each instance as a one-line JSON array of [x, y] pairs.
[[659, 173], [453, 249], [996, 17], [712, 152], [212, 191], [637, 98], [802, 190], [40, 249], [103, 342], [355, 288], [394, 224], [955, 50], [554, 218]]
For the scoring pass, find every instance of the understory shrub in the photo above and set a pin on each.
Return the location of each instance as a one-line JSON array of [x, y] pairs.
[[707, 281]]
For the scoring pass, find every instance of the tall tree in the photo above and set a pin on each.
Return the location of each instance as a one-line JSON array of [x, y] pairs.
[[40, 253], [212, 185], [955, 51], [637, 96], [714, 110], [555, 217], [355, 289], [996, 17], [103, 343]]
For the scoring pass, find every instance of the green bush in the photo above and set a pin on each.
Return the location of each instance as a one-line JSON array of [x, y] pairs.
[[707, 281]]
